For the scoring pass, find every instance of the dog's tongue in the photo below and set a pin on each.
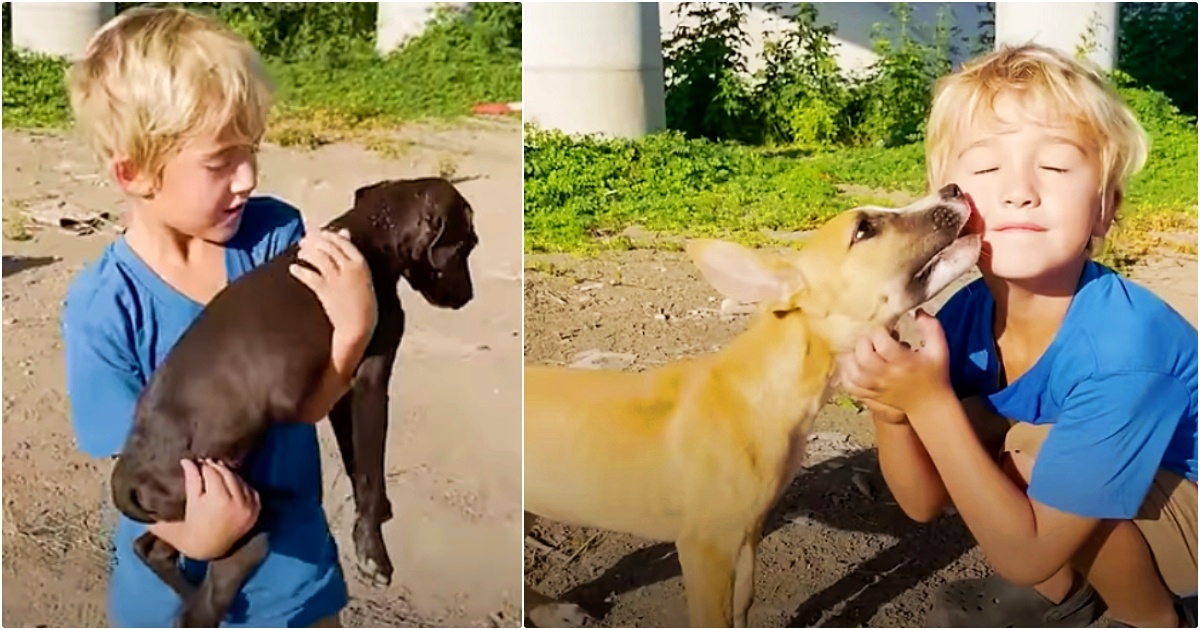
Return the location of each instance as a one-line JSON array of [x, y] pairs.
[[974, 224]]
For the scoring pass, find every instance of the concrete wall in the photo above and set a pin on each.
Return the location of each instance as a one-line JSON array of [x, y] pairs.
[[60, 28], [64, 28], [398, 21], [854, 21], [593, 67], [1062, 25]]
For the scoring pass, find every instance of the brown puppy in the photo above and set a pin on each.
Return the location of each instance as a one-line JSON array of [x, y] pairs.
[[241, 366], [698, 451]]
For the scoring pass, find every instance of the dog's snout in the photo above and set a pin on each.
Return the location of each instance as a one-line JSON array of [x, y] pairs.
[[950, 192], [944, 217]]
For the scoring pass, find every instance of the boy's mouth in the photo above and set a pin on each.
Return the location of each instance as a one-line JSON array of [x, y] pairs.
[[1018, 227]]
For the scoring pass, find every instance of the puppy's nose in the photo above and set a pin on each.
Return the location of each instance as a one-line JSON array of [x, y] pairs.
[[950, 192]]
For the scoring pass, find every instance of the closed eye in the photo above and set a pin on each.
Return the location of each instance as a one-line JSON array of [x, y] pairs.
[[1054, 169], [986, 171]]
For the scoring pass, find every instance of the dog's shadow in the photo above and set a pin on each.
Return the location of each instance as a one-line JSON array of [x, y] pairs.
[[825, 493]]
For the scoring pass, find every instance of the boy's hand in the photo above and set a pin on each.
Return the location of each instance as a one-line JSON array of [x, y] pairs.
[[886, 414], [883, 371], [220, 509], [343, 284]]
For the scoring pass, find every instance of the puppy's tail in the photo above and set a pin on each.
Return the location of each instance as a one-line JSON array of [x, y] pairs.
[[124, 494]]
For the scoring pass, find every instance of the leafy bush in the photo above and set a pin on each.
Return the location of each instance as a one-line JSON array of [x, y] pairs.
[[895, 97], [1157, 46], [707, 95], [800, 96], [1168, 180], [581, 193], [322, 59], [34, 92]]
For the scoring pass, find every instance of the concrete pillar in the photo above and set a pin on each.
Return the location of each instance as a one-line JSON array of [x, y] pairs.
[[58, 28], [593, 67], [1062, 25], [395, 22]]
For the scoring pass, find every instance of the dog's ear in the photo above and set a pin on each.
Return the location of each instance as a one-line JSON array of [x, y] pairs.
[[744, 275], [434, 227], [361, 194]]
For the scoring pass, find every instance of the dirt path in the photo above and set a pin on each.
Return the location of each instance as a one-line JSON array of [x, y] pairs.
[[838, 552], [454, 448]]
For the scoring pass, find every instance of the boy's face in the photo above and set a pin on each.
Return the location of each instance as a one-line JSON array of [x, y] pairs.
[[204, 188], [1037, 187]]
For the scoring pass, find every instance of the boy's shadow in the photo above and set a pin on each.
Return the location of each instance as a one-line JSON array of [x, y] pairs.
[[826, 493], [17, 264]]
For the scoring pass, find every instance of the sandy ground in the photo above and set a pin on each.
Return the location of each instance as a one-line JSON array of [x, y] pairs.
[[454, 446], [838, 551]]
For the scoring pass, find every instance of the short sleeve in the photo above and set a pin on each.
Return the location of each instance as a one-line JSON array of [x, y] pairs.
[[290, 234], [103, 382], [269, 227], [955, 322], [286, 229], [1106, 446]]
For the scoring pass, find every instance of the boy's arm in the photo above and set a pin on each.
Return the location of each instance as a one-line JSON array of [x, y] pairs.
[[102, 380], [103, 384], [1097, 463], [345, 352], [337, 379], [907, 469]]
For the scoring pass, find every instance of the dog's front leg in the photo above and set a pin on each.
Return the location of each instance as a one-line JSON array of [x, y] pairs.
[[163, 560], [360, 422], [708, 557], [743, 585], [207, 606]]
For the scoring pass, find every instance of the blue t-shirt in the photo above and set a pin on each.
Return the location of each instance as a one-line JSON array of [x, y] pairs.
[[1118, 384], [119, 321]]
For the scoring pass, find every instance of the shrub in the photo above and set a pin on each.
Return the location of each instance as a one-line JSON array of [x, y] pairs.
[[322, 58]]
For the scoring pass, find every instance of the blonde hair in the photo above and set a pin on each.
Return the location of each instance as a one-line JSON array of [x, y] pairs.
[[152, 79], [1049, 84]]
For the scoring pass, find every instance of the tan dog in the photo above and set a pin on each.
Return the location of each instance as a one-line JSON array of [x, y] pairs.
[[698, 451]]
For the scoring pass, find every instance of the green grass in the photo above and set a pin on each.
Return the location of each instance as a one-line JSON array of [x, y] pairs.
[[331, 87], [581, 193]]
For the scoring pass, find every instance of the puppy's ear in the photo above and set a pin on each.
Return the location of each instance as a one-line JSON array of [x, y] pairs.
[[744, 275], [360, 195]]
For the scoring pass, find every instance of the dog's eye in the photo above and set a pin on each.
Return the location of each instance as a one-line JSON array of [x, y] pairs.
[[863, 231]]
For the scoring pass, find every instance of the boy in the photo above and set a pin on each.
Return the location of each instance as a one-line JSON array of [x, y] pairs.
[[1082, 382], [175, 105]]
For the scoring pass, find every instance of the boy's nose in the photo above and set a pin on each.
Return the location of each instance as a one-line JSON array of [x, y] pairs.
[[245, 178], [950, 192]]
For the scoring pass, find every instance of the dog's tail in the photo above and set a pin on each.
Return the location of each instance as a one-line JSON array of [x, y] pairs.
[[125, 496]]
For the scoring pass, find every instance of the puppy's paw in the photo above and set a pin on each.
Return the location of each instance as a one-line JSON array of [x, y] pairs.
[[561, 615], [197, 616], [374, 564]]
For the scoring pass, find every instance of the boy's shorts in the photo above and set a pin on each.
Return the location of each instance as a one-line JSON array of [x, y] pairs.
[[1167, 518], [329, 622]]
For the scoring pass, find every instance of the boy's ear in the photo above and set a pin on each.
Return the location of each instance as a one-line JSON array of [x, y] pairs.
[[127, 177], [742, 274], [1110, 202]]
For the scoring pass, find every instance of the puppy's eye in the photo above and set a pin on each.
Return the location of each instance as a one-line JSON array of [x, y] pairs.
[[863, 231], [985, 171]]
